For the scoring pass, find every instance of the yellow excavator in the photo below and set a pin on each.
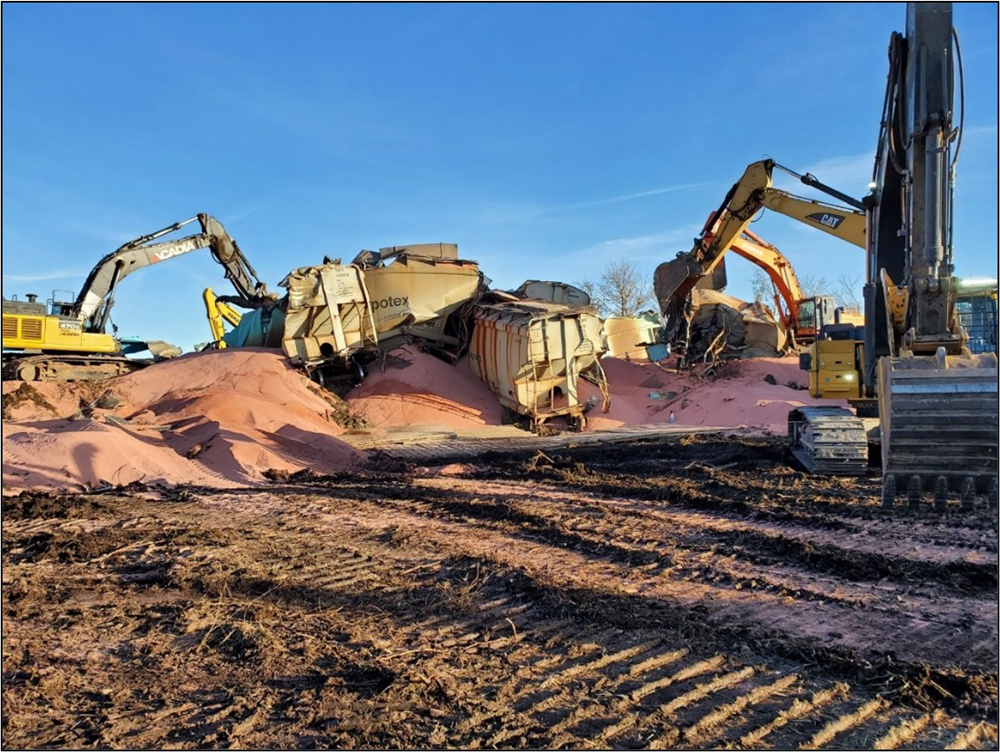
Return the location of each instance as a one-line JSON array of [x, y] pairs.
[[936, 400], [67, 341], [219, 314], [806, 317], [727, 230], [834, 358]]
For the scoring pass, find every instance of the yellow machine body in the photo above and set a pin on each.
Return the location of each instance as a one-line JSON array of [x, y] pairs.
[[52, 334], [835, 370]]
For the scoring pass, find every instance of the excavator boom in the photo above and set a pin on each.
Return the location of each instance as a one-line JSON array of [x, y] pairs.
[[219, 312], [93, 304], [778, 269]]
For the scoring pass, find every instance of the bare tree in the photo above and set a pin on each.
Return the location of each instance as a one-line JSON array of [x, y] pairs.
[[620, 291], [813, 287], [847, 291], [761, 286]]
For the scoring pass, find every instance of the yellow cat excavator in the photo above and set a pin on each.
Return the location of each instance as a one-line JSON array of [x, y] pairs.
[[67, 341], [727, 230], [937, 401]]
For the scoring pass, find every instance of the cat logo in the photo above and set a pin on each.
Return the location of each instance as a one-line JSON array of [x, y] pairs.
[[826, 219]]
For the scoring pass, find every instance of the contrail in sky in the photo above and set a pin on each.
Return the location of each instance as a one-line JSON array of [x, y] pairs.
[[626, 197], [57, 274]]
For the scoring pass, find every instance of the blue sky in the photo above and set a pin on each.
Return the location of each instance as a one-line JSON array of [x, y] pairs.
[[546, 140]]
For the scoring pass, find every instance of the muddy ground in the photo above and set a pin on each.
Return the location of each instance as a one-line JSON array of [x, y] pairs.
[[693, 593]]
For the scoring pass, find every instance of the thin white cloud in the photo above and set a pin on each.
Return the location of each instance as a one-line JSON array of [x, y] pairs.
[[52, 275], [661, 246], [624, 198], [520, 212], [986, 129], [238, 216]]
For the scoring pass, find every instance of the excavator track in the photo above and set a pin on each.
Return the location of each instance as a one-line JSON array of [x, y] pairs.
[[69, 367], [939, 428], [828, 440]]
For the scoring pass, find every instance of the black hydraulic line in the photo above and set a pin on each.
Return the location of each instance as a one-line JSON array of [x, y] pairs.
[[812, 182]]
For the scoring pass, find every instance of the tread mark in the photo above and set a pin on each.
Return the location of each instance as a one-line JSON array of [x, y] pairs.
[[662, 659], [704, 689], [834, 727], [907, 731], [636, 669], [698, 731], [599, 663], [969, 738], [799, 709], [579, 714], [695, 669]]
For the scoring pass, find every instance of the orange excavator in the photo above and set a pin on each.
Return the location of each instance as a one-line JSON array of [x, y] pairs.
[[802, 315]]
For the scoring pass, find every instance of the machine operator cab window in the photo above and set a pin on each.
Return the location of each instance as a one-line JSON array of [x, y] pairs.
[[58, 305], [807, 315], [814, 313]]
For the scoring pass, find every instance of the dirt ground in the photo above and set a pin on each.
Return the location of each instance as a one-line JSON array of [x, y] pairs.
[[696, 592]]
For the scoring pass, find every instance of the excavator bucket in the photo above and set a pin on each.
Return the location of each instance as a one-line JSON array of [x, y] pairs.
[[670, 277], [939, 428]]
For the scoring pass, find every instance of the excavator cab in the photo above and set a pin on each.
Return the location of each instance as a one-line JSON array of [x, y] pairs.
[[976, 306], [814, 314], [60, 305]]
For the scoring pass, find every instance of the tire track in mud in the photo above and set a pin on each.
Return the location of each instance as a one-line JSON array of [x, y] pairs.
[[933, 630], [750, 541], [618, 691], [371, 612], [607, 675], [966, 568], [423, 507]]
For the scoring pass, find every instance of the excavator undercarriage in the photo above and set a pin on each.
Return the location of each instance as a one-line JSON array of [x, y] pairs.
[[828, 440], [69, 367]]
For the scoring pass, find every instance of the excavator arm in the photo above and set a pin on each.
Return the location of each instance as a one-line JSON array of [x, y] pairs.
[[834, 220], [778, 269], [93, 304], [675, 279], [219, 312]]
